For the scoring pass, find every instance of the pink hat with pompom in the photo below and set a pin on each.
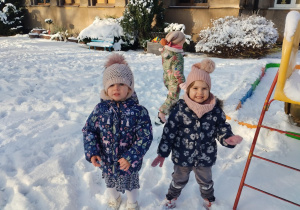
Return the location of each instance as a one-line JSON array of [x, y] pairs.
[[201, 71], [117, 71]]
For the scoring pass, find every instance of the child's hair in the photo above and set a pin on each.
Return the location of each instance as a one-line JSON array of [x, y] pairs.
[[189, 87], [175, 37], [200, 71]]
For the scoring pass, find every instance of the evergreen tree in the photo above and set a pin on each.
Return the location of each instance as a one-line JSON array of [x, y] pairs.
[[11, 17], [139, 16]]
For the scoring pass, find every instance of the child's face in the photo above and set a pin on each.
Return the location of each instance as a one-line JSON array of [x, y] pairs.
[[199, 92], [118, 91]]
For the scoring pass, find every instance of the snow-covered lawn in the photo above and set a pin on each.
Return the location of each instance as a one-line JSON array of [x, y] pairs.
[[49, 88]]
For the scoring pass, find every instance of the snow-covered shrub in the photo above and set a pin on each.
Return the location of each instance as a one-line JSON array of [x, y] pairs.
[[138, 17], [174, 27], [11, 17], [246, 36], [60, 36]]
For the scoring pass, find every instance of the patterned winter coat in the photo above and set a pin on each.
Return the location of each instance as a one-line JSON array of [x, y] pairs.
[[173, 66], [113, 132], [172, 62], [192, 140]]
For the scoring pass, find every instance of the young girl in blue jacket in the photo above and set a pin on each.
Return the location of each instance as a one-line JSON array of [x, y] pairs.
[[190, 133], [118, 133]]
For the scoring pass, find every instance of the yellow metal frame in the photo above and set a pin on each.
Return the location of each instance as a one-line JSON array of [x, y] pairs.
[[287, 65]]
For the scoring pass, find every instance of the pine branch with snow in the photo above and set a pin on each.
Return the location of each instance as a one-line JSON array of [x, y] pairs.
[[11, 17]]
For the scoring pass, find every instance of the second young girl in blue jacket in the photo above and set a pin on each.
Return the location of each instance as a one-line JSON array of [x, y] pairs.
[[191, 131]]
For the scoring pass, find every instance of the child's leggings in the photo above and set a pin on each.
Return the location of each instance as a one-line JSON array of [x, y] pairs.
[[132, 195], [181, 177], [172, 97]]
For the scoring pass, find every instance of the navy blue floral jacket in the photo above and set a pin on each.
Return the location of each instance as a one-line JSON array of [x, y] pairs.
[[192, 140], [113, 132]]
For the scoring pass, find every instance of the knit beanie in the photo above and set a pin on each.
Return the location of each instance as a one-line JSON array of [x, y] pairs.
[[201, 71], [117, 71], [175, 37]]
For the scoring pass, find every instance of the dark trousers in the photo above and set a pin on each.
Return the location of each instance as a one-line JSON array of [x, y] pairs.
[[181, 177]]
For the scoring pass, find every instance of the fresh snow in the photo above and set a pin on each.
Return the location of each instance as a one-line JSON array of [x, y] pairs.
[[107, 28], [291, 23], [49, 88], [292, 86]]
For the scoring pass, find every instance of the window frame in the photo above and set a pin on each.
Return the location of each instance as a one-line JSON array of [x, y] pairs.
[[73, 3], [191, 4], [94, 3], [287, 6], [41, 4]]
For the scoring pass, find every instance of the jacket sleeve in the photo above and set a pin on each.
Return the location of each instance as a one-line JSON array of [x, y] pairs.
[[91, 135], [169, 134], [144, 138], [223, 129]]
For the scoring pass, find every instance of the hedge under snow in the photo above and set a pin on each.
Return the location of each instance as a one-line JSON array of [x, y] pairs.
[[246, 36]]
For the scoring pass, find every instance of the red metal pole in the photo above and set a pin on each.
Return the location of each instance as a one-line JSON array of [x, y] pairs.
[[254, 142]]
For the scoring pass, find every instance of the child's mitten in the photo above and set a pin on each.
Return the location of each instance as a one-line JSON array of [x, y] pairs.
[[158, 160], [234, 140]]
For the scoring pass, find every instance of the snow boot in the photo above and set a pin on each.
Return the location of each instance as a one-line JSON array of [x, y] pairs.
[[114, 204], [169, 204], [158, 121], [207, 202], [132, 206]]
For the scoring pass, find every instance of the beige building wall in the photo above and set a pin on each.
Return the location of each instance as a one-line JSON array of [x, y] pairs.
[[197, 19], [71, 17], [78, 17]]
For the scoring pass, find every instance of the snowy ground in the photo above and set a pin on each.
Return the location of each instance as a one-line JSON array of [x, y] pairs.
[[49, 88]]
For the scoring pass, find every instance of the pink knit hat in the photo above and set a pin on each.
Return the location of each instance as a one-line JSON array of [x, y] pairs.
[[117, 71], [201, 71], [175, 37]]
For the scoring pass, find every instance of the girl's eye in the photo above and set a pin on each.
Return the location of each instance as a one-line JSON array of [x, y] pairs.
[[121, 84]]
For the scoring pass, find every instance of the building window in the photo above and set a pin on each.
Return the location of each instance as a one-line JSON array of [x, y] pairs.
[[287, 4], [102, 3], [192, 3], [41, 2], [71, 2]]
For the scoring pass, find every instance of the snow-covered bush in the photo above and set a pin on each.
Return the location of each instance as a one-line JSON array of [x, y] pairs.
[[11, 17], [60, 36], [138, 17], [174, 27], [246, 36]]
